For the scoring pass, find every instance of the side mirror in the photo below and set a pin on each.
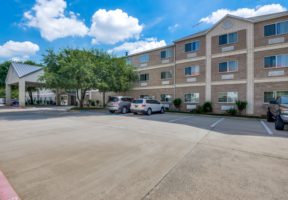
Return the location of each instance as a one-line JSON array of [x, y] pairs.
[[273, 102]]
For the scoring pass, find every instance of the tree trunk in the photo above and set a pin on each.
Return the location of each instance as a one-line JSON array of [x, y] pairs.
[[104, 99], [58, 98]]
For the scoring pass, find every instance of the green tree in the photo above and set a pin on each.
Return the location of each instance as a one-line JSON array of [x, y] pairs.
[[53, 76], [77, 70], [4, 67]]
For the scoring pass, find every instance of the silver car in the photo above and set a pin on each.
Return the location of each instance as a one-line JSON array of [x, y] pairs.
[[120, 104], [147, 106]]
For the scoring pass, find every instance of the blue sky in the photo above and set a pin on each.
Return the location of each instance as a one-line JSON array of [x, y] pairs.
[[29, 27]]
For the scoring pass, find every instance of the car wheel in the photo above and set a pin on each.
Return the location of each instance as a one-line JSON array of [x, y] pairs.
[[124, 110], [279, 124], [112, 111], [269, 117], [149, 111], [162, 111]]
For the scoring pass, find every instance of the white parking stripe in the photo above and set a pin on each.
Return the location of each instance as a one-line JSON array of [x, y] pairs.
[[178, 119], [267, 128], [217, 122]]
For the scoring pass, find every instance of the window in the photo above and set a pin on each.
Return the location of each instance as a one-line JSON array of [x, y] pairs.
[[144, 77], [166, 75], [227, 97], [276, 61], [192, 71], [165, 54], [146, 97], [276, 29], [193, 46], [128, 61], [271, 96], [166, 98], [228, 38], [144, 58], [230, 66], [192, 98]]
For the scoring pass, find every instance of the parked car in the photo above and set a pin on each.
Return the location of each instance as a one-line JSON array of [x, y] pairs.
[[2, 101], [119, 104], [146, 106], [278, 112]]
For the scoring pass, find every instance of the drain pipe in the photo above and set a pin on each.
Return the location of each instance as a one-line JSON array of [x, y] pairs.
[[174, 71]]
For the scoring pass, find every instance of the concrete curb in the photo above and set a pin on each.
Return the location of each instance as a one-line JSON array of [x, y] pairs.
[[6, 190]]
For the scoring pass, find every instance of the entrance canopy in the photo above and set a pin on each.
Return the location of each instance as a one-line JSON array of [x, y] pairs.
[[24, 76]]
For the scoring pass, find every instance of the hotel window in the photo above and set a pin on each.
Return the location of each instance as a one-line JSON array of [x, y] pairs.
[[167, 98], [277, 61], [227, 97], [166, 75], [144, 77], [128, 61], [192, 71], [144, 58], [192, 98], [165, 54], [193, 46], [276, 29], [271, 96], [228, 38], [230, 66]]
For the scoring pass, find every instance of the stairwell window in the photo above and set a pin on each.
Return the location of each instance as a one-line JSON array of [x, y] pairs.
[[228, 38], [279, 28], [230, 66], [192, 46], [277, 61]]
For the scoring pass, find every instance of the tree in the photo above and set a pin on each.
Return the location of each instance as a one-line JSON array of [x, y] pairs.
[[77, 70], [53, 77], [4, 67]]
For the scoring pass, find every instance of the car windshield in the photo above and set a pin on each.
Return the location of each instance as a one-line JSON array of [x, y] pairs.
[[139, 101], [284, 100], [113, 99]]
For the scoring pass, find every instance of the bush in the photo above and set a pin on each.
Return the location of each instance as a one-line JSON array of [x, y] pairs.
[[177, 102], [207, 107], [241, 105], [198, 110], [231, 111]]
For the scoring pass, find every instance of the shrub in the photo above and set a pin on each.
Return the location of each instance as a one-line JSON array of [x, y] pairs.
[[197, 110], [231, 111], [177, 102], [97, 102], [241, 105], [207, 107]]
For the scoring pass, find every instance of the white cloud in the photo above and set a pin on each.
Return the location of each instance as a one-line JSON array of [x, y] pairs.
[[48, 16], [18, 50], [112, 26], [243, 12], [173, 28], [138, 46]]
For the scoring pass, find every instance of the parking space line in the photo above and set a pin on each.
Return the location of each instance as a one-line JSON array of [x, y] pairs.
[[217, 122], [268, 130], [178, 119]]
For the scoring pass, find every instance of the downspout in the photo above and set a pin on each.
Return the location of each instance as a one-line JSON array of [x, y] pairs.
[[174, 77]]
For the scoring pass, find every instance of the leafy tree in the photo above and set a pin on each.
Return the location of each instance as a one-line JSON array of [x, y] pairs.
[[53, 77], [177, 102], [4, 67]]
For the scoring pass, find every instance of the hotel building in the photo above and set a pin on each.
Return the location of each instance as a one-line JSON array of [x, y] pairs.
[[236, 59]]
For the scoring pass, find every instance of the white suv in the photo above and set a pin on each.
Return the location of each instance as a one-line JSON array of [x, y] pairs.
[[146, 106]]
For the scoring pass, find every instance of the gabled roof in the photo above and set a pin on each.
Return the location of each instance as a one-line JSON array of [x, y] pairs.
[[24, 69]]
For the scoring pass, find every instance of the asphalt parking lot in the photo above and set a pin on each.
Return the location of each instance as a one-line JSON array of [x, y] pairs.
[[95, 155]]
